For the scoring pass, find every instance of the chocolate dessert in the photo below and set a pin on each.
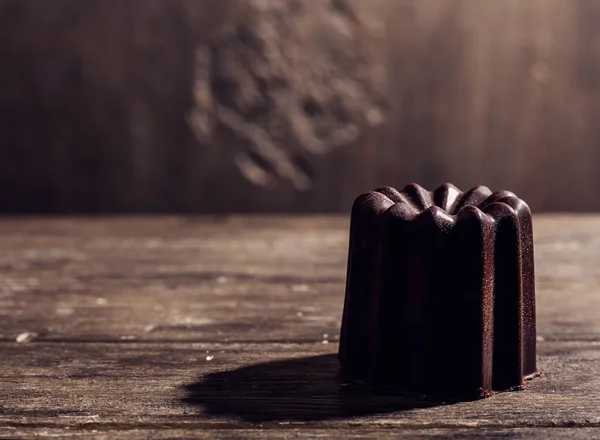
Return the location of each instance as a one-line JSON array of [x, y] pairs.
[[440, 294]]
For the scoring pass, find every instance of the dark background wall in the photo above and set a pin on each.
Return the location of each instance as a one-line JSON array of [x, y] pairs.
[[289, 105]]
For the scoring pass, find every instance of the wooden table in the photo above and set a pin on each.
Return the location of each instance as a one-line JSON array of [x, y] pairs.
[[228, 328]]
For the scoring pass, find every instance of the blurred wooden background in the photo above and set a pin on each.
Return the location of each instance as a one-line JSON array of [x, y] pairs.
[[284, 105]]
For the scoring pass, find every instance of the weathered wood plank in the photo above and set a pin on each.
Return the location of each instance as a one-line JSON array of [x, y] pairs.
[[234, 278], [313, 433], [120, 387], [118, 303]]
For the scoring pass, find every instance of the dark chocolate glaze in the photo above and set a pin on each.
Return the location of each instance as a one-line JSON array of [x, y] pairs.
[[440, 294]]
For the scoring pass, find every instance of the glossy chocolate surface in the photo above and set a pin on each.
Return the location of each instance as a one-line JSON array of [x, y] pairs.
[[440, 294]]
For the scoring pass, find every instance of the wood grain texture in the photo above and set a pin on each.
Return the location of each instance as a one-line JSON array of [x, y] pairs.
[[124, 386], [226, 327], [312, 433], [97, 94], [236, 279]]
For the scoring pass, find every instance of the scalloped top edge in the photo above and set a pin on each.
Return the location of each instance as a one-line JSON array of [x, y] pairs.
[[445, 203]]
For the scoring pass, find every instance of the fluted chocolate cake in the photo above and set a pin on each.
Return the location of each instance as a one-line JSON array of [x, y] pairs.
[[440, 294]]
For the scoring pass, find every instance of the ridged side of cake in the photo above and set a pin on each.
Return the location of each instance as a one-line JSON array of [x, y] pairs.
[[440, 295]]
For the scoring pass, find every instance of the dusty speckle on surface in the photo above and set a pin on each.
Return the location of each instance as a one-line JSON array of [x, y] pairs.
[[26, 337]]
